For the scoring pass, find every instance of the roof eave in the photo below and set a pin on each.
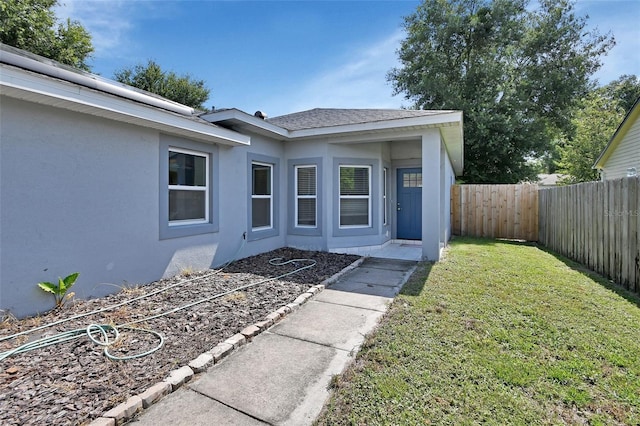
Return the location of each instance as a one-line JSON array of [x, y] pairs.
[[452, 121], [235, 118], [33, 87], [422, 121]]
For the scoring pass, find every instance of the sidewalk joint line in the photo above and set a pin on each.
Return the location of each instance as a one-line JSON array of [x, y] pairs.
[[232, 407], [315, 343], [355, 307]]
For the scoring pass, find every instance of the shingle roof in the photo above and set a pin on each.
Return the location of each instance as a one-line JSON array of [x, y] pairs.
[[330, 117]]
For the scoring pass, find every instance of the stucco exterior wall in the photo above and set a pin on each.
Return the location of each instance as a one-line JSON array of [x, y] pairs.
[[449, 181], [81, 194], [85, 194]]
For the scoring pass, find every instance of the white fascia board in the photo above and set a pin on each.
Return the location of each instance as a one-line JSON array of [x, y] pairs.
[[45, 90], [240, 118]]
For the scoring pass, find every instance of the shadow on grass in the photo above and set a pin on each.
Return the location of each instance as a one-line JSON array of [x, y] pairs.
[[578, 267], [482, 241], [417, 280], [603, 281]]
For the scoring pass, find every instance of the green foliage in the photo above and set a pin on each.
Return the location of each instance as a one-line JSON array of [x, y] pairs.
[[32, 25], [625, 90], [595, 123], [60, 289], [515, 70], [183, 89]]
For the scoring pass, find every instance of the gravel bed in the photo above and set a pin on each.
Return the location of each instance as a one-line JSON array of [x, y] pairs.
[[74, 382]]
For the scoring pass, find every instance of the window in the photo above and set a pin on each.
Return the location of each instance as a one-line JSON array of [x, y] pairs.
[[412, 180], [306, 196], [385, 206], [188, 187], [355, 196], [261, 195], [188, 191]]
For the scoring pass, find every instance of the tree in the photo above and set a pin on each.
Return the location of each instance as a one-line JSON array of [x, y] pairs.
[[625, 90], [152, 78], [517, 72], [595, 122], [32, 25]]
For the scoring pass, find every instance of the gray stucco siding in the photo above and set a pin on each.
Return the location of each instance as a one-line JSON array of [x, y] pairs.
[[75, 198], [82, 194]]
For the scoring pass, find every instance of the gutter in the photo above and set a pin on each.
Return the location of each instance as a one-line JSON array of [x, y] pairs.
[[19, 58]]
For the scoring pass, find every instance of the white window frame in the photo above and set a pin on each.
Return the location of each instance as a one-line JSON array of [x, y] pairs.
[[270, 196], [385, 184], [354, 197], [299, 197], [206, 189]]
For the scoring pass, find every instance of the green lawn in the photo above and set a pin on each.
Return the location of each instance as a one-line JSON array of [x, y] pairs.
[[497, 333]]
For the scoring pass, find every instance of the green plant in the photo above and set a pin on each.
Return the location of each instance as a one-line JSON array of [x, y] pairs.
[[60, 289]]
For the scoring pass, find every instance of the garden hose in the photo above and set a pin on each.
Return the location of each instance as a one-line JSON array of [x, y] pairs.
[[104, 329], [126, 302]]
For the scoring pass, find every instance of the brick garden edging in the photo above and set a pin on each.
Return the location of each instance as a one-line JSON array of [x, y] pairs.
[[122, 413]]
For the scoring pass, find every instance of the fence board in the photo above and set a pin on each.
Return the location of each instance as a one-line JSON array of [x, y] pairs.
[[597, 224], [594, 223], [495, 211]]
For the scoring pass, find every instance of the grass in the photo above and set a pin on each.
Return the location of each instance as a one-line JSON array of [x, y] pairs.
[[497, 333]]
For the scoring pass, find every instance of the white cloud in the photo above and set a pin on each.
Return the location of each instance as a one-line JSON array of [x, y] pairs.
[[108, 22], [360, 82]]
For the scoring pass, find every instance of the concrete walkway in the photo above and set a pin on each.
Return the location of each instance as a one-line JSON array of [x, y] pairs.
[[282, 376]]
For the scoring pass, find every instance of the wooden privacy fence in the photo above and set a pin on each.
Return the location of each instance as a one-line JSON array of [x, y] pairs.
[[495, 211], [596, 224]]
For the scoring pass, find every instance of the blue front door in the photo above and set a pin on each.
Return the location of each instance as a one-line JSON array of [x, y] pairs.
[[409, 204]]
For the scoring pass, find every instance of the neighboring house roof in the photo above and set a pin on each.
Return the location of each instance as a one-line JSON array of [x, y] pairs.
[[331, 117], [549, 179], [619, 134], [29, 77]]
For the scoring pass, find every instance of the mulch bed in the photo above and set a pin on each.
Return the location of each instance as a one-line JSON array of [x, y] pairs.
[[74, 382]]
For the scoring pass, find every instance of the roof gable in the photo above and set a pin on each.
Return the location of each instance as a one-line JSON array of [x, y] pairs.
[[618, 136]]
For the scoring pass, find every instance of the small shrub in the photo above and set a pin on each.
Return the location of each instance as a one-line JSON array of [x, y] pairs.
[[60, 289]]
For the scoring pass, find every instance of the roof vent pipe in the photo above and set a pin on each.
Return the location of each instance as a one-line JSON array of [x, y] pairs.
[[260, 114]]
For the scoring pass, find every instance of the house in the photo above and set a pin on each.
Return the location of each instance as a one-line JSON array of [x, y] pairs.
[[621, 156], [548, 180], [124, 186]]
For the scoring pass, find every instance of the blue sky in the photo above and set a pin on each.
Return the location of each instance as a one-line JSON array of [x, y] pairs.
[[287, 56]]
